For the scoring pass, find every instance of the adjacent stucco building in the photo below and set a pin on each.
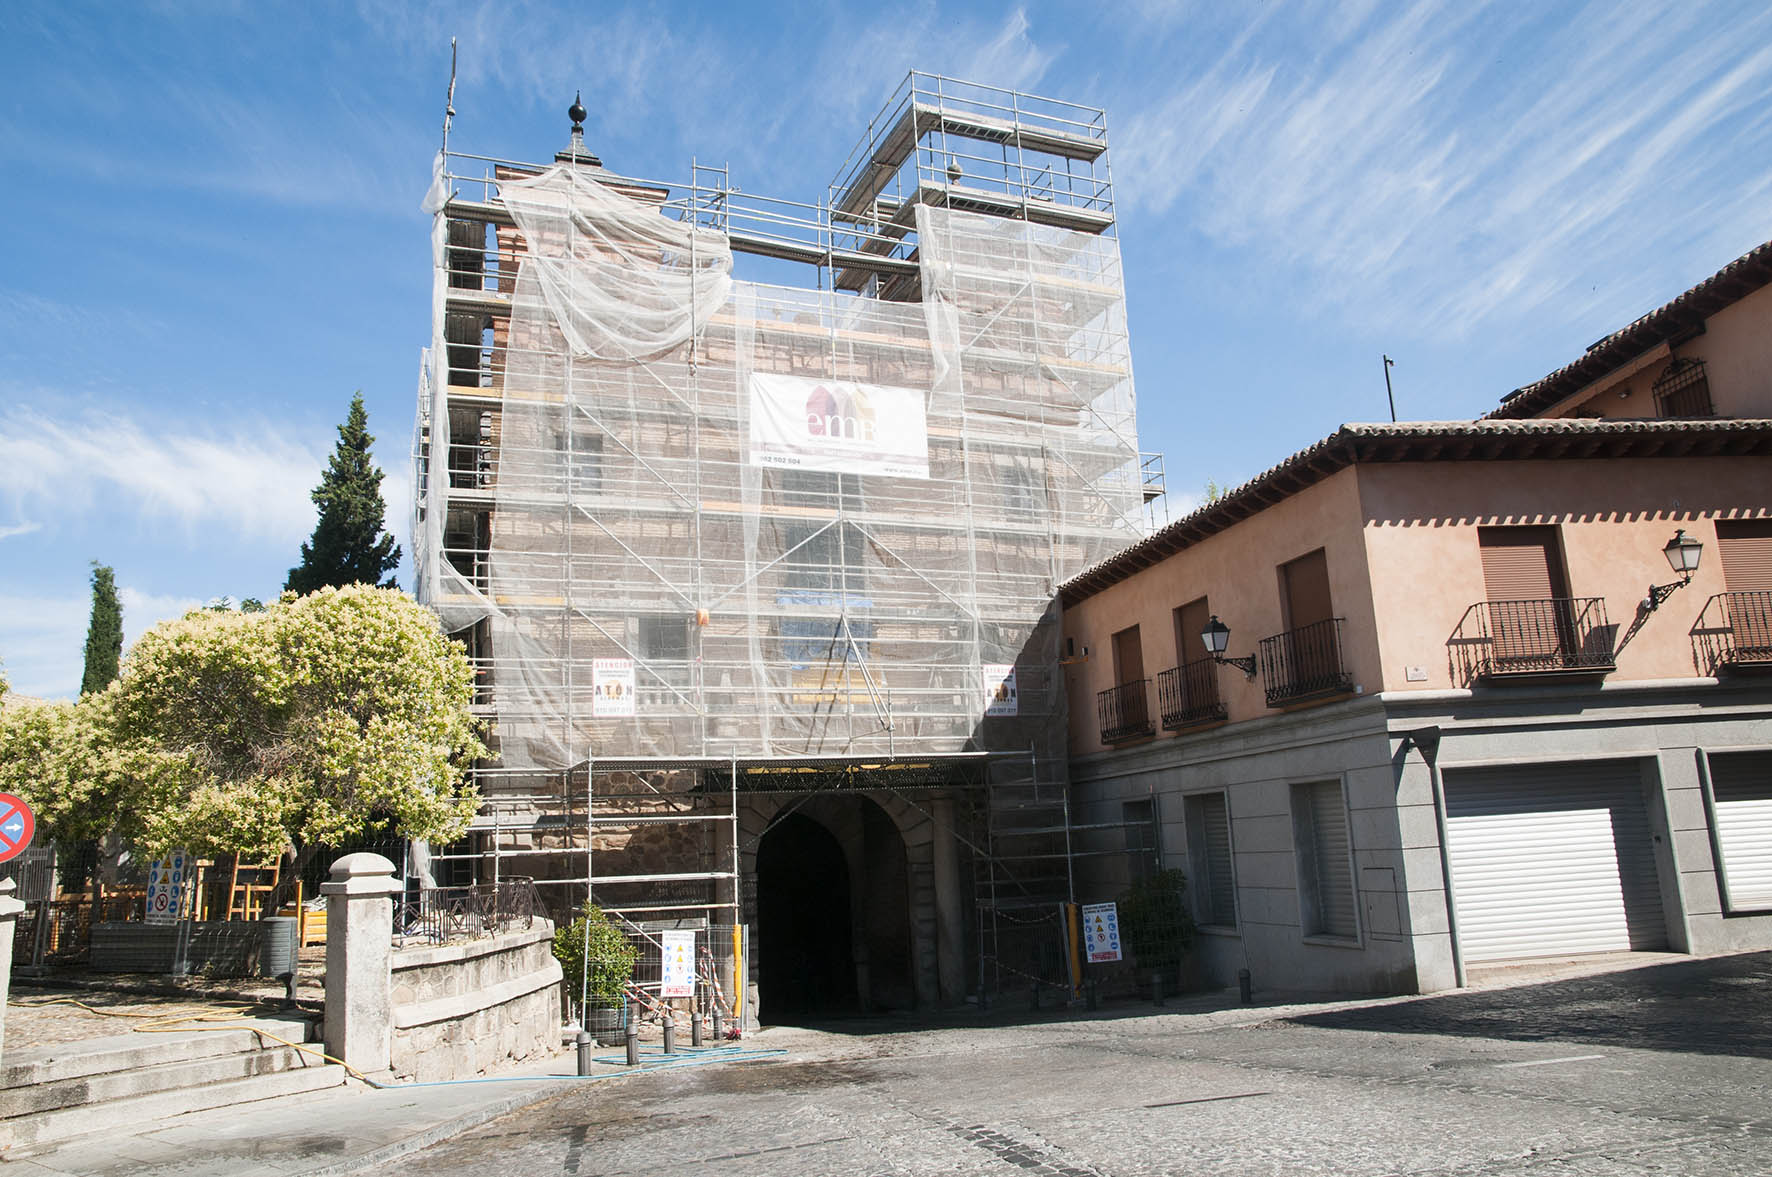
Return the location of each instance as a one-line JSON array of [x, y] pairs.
[[1479, 722]]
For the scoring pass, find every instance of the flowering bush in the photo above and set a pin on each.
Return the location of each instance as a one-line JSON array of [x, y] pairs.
[[303, 724]]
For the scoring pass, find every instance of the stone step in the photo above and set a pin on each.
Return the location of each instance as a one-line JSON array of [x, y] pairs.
[[160, 1078], [36, 1065], [22, 1136]]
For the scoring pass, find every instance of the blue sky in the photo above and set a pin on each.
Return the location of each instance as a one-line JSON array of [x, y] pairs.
[[214, 235]]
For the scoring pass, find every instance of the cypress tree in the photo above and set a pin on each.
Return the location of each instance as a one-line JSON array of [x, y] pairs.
[[104, 632], [349, 545]]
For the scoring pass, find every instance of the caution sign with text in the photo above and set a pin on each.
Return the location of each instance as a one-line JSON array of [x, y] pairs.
[[678, 979], [1101, 931]]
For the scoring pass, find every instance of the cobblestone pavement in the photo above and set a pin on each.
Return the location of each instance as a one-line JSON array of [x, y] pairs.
[[1662, 1070]]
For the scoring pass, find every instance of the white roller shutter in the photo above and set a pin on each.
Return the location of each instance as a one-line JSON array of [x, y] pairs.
[[1742, 785], [1552, 859]]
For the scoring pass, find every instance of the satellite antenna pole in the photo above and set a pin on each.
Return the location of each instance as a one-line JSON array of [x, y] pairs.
[[449, 103], [1388, 363]]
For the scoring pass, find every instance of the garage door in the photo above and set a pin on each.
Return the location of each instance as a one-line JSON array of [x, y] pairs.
[[1742, 785], [1552, 859]]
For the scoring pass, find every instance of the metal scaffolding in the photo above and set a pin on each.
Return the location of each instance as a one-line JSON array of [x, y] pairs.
[[684, 521]]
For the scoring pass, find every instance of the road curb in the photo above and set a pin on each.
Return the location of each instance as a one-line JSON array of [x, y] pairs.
[[441, 1131]]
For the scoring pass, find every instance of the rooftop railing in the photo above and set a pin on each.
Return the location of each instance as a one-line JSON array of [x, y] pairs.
[[1304, 663], [1558, 635], [1124, 711], [1187, 695], [1733, 632]]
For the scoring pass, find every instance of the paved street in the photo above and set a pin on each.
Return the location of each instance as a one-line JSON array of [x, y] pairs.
[[1663, 1069]]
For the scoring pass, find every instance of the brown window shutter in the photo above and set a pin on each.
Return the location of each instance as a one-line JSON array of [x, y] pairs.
[[1128, 656], [1520, 563], [1745, 547], [1190, 619], [1306, 581]]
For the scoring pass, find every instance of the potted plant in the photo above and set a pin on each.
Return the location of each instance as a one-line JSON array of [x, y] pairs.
[[1156, 923], [598, 963]]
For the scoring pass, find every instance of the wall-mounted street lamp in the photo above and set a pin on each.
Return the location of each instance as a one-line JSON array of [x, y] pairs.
[[1682, 552], [1217, 636]]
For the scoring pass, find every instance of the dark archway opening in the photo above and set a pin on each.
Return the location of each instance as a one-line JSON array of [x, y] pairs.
[[805, 966]]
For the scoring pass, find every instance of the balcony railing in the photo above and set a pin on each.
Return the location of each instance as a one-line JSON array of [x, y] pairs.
[[1125, 712], [1187, 695], [1504, 639], [1304, 663], [1734, 632]]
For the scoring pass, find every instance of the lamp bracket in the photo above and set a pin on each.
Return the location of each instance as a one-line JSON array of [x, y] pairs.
[[1246, 665]]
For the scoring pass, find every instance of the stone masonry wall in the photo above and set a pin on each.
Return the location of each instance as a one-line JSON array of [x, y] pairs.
[[461, 1009]]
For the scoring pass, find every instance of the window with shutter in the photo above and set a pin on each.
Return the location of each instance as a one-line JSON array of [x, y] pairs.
[[1745, 546], [1529, 620], [1325, 871], [1209, 857]]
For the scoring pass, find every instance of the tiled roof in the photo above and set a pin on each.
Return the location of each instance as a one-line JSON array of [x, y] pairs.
[[1679, 319], [1430, 441]]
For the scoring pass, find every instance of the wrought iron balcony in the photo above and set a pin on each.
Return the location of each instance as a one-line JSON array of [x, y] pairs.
[[1124, 711], [1304, 663], [1511, 639], [1734, 632], [1187, 695]]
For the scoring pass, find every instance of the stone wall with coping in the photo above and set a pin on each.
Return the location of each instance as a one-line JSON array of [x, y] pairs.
[[462, 1009]]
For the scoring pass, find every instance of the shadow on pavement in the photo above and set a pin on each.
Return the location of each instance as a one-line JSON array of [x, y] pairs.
[[1718, 1006]]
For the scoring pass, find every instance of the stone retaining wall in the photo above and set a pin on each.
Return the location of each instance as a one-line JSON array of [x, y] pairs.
[[461, 1009]]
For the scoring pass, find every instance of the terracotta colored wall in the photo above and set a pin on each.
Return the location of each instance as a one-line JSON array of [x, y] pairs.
[[1238, 571], [1614, 516], [1736, 348]]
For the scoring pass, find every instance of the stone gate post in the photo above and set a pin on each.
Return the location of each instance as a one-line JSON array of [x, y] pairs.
[[359, 953], [9, 913]]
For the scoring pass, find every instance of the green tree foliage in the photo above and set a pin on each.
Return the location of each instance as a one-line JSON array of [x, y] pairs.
[[611, 958], [1155, 920], [307, 723], [104, 632], [61, 759], [349, 545]]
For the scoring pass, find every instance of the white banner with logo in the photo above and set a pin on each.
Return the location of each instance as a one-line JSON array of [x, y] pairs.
[[613, 681], [1000, 697], [839, 426]]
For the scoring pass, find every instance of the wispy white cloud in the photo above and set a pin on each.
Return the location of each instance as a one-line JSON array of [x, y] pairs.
[[43, 638], [1360, 157], [253, 486], [15, 529], [1011, 58]]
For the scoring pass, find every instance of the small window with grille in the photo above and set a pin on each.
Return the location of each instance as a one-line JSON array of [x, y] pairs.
[[1682, 390]]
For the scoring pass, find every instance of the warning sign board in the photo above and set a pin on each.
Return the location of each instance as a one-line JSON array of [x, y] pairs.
[[679, 964], [17, 824], [166, 888], [1101, 931]]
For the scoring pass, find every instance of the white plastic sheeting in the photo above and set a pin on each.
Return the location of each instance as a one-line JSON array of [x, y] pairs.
[[603, 500]]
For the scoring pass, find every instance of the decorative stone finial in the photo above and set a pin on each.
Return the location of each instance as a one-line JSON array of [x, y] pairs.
[[576, 112]]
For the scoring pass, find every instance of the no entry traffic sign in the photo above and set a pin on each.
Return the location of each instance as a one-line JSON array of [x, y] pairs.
[[17, 824]]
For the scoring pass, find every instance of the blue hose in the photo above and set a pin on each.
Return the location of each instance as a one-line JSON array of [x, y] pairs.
[[696, 1058]]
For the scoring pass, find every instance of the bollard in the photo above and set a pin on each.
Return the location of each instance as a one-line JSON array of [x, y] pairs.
[[719, 1029], [1244, 989], [1089, 998], [1156, 988], [695, 1030], [633, 1037], [585, 1044], [1034, 1000], [670, 1032]]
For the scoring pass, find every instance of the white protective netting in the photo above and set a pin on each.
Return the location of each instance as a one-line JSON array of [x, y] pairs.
[[626, 546]]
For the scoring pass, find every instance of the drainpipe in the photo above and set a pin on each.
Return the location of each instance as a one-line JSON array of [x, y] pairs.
[[1427, 741]]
